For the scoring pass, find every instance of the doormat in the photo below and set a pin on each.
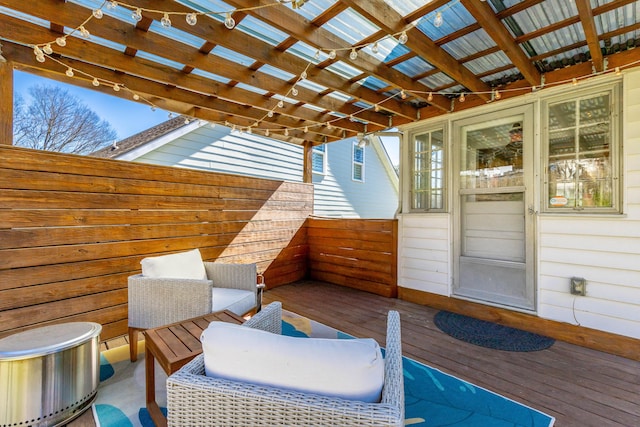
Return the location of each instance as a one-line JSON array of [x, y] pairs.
[[489, 334]]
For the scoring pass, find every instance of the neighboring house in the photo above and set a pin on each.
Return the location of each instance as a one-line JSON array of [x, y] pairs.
[[349, 181], [514, 203]]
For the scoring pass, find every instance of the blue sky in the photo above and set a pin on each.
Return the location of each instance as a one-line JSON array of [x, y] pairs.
[[126, 117]]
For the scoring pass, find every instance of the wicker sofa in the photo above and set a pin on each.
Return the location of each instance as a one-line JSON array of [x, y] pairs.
[[194, 399]]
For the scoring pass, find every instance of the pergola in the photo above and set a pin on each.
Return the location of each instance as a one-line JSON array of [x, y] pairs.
[[314, 71]]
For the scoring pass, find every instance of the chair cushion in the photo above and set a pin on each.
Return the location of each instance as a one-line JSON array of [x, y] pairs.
[[183, 265], [347, 368], [237, 301]]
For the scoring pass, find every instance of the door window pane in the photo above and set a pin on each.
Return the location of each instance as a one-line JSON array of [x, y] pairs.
[[428, 171]]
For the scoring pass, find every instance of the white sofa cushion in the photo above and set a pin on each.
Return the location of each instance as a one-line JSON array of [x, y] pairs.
[[238, 301], [183, 265], [347, 368]]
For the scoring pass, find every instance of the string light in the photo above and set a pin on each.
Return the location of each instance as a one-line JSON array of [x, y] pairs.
[[438, 21], [44, 50]]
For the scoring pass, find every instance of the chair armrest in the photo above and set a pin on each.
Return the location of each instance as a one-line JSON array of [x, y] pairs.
[[268, 319], [155, 302], [393, 389], [234, 276]]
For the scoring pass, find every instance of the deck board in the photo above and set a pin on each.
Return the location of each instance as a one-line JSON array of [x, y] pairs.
[[576, 385]]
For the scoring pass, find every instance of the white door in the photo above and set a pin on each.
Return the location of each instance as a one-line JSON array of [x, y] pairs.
[[494, 210]]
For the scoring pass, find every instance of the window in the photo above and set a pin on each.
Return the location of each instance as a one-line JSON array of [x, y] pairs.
[[358, 163], [581, 153], [428, 171], [318, 156]]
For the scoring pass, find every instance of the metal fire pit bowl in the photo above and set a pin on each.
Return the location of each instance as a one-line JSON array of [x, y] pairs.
[[49, 375]]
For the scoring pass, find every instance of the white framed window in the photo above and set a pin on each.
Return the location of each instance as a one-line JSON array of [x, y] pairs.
[[357, 169], [581, 147], [319, 159], [428, 171]]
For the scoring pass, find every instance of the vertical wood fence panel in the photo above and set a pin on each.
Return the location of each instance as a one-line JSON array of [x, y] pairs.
[[73, 228], [358, 253]]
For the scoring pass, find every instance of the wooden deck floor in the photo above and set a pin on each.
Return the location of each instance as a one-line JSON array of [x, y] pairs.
[[576, 385]]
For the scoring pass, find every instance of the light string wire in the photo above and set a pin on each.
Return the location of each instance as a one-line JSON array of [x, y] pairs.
[[45, 50]]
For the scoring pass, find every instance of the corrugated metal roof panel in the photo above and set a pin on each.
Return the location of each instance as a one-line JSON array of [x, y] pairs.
[[469, 44], [350, 26]]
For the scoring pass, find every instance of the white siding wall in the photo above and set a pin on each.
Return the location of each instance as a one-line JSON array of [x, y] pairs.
[[216, 149], [338, 195], [603, 249]]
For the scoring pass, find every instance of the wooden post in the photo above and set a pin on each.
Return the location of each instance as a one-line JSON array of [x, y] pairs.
[[307, 162], [6, 102]]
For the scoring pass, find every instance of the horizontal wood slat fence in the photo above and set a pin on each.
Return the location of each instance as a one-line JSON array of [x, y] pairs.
[[73, 228], [358, 253]]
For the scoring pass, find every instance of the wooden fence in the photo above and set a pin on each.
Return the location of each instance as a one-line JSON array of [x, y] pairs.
[[73, 228], [358, 253]]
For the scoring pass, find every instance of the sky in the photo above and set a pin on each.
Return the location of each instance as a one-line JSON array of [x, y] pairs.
[[127, 117]]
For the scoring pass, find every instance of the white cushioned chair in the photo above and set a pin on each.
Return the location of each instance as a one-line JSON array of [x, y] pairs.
[[180, 286], [195, 399]]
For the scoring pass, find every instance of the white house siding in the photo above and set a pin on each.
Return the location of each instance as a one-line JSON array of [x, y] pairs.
[[424, 252], [218, 150], [338, 195], [603, 249]]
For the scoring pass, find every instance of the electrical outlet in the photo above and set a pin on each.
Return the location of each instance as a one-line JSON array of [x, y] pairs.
[[578, 286]]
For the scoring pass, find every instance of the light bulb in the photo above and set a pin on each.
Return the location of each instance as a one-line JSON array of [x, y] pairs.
[[84, 32], [266, 132], [186, 120], [229, 22], [69, 72], [116, 88], [286, 132], [403, 38], [329, 126], [249, 130], [306, 129], [61, 41], [47, 49], [497, 95], [37, 51], [153, 108], [462, 97], [270, 113], [192, 19], [376, 108], [617, 69], [280, 104], [374, 48], [136, 96], [95, 82], [294, 91], [40, 58], [332, 54], [112, 5], [317, 55], [137, 15], [430, 97], [97, 13], [213, 125], [170, 115], [403, 94], [574, 81], [438, 21], [354, 54], [165, 21], [303, 75]]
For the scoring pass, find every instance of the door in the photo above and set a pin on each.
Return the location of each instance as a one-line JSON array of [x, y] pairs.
[[494, 209]]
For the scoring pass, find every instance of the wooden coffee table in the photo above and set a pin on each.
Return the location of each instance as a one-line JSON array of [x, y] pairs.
[[173, 346]]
